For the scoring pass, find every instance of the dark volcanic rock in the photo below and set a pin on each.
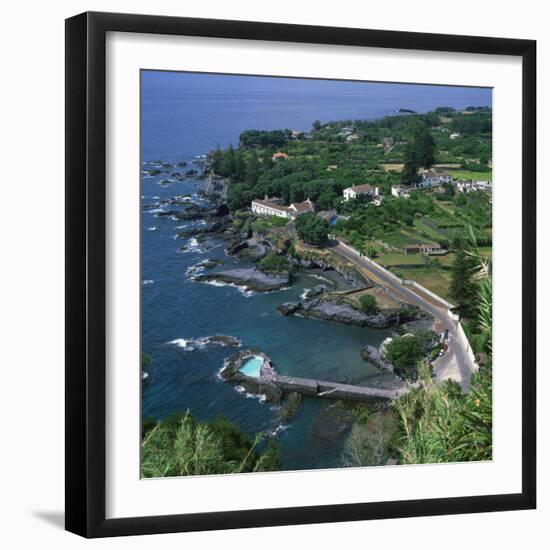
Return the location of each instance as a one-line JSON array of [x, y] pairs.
[[328, 310], [290, 405], [288, 308], [261, 386], [250, 278], [236, 248], [199, 230], [174, 213], [210, 263], [372, 354]]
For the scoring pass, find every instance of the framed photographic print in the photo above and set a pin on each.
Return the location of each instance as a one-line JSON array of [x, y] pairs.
[[300, 274]]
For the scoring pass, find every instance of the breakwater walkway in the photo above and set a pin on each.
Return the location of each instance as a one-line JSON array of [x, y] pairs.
[[334, 390]]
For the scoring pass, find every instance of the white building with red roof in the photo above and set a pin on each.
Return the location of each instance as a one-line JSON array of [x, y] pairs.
[[273, 207]]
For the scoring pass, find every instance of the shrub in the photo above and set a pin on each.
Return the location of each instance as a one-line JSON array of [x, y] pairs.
[[274, 263], [405, 352], [180, 445], [368, 305], [311, 229]]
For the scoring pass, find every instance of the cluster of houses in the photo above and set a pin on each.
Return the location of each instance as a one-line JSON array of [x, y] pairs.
[[429, 178], [348, 132], [469, 186]]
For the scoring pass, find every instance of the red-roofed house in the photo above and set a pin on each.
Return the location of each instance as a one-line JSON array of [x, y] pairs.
[[279, 156]]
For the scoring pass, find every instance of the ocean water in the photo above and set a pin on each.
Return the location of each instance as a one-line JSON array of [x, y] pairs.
[[184, 115]]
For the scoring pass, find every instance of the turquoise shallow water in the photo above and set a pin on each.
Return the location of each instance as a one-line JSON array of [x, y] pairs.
[[188, 115], [252, 366]]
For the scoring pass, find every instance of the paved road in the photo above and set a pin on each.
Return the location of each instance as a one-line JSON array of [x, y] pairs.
[[455, 363]]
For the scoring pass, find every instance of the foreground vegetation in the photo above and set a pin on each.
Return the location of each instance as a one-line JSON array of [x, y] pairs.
[[440, 423], [180, 445]]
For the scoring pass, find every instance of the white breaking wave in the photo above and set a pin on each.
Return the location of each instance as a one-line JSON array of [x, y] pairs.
[[147, 282], [191, 344], [182, 343], [153, 228], [241, 288], [319, 277], [280, 428], [303, 296], [260, 397]]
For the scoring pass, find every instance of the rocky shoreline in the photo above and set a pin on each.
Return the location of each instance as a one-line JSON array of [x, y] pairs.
[[247, 245], [251, 278], [261, 385], [328, 309]]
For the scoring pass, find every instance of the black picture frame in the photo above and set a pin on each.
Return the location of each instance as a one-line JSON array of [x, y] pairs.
[[86, 268]]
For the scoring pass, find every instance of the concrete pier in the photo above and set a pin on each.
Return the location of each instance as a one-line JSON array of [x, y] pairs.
[[334, 390]]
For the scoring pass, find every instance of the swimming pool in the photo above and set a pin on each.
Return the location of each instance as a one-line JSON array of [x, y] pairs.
[[251, 367]]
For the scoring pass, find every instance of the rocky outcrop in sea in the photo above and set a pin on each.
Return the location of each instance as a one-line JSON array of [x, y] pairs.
[[250, 278], [340, 312]]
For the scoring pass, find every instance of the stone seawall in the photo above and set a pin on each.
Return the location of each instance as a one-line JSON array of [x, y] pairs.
[[334, 390]]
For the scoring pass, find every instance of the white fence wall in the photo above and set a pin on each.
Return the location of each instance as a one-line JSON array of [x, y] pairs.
[[461, 335], [372, 262], [446, 304], [397, 279]]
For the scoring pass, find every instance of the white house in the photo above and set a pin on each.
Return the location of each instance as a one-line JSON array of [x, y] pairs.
[[455, 135], [483, 185], [431, 178], [422, 248], [360, 190], [272, 207], [464, 186], [469, 186], [400, 191]]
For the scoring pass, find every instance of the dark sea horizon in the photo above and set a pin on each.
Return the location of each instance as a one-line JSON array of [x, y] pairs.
[[185, 115]]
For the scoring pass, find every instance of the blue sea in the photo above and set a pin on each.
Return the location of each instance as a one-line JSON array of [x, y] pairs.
[[183, 116]]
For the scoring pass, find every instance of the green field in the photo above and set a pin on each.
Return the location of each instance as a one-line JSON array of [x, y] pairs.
[[466, 175], [434, 279], [395, 258]]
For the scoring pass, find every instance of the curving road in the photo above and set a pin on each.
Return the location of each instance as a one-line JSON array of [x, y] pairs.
[[456, 363]]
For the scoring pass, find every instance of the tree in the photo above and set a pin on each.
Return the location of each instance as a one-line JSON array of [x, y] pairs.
[[326, 199], [412, 164], [227, 164], [240, 166], [273, 263], [252, 171], [405, 352], [316, 125], [239, 195], [368, 304], [463, 288], [372, 252], [419, 152], [425, 145], [312, 229]]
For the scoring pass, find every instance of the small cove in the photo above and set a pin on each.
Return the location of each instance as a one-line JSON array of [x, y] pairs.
[[186, 117]]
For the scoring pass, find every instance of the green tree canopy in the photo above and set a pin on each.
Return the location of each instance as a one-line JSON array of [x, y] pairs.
[[368, 304], [312, 229]]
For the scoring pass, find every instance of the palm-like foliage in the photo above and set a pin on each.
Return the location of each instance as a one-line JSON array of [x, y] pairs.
[[181, 446], [439, 423]]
